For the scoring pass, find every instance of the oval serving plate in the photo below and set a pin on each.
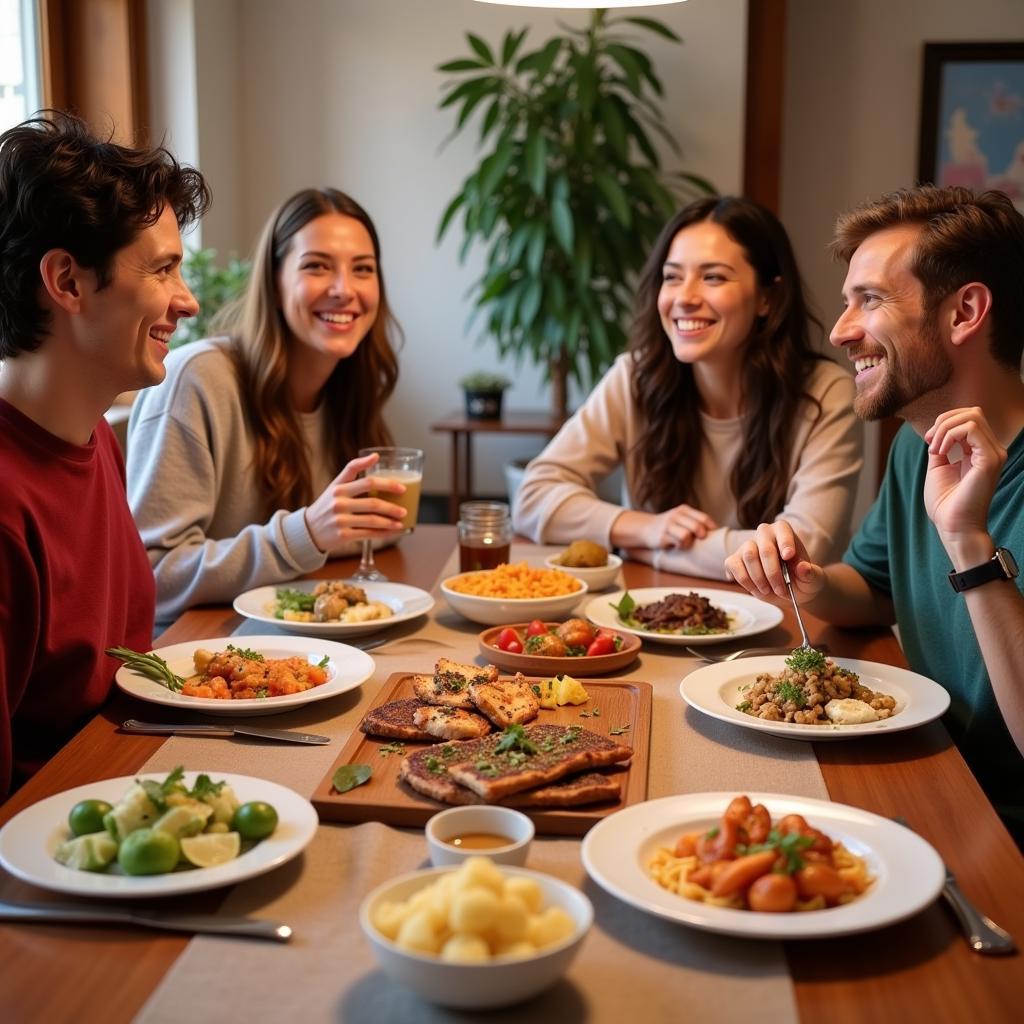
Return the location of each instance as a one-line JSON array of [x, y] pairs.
[[347, 668], [541, 665]]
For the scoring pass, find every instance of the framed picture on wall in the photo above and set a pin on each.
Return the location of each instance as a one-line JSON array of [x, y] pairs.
[[972, 117]]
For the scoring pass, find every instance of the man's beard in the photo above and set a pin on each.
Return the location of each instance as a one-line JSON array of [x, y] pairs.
[[928, 368]]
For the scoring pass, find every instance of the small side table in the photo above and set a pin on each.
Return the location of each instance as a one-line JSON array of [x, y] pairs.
[[462, 429]]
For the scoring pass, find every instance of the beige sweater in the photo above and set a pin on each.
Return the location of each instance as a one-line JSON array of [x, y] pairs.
[[557, 502]]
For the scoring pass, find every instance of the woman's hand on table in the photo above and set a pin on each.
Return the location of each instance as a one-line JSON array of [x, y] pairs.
[[345, 512], [756, 565], [678, 528]]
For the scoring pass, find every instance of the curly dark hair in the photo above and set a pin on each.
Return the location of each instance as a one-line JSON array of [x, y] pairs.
[[62, 187], [779, 359], [965, 236], [261, 342]]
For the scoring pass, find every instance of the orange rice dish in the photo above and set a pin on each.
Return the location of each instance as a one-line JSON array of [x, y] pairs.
[[245, 675], [519, 581]]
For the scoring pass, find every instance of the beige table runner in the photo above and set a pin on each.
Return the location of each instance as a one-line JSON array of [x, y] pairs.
[[632, 965]]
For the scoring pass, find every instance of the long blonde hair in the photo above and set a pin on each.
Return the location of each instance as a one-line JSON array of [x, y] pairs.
[[355, 392]]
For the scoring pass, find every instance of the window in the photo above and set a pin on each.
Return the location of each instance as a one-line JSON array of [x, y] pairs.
[[19, 61]]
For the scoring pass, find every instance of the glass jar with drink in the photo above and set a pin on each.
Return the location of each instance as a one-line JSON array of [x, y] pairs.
[[485, 534]]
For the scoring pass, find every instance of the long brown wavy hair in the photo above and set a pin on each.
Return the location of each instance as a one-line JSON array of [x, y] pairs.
[[778, 360], [355, 392]]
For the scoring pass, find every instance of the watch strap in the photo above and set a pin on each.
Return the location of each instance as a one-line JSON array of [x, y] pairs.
[[1001, 566]]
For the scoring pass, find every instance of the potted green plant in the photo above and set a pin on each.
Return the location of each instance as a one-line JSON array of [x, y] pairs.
[[484, 392], [568, 194], [213, 288]]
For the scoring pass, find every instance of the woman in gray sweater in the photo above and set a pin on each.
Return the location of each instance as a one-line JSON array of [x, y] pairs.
[[242, 467]]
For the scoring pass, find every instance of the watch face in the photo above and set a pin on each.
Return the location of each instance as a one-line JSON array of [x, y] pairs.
[[1007, 561]]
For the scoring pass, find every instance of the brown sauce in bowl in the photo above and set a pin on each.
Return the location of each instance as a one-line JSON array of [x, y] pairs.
[[479, 841]]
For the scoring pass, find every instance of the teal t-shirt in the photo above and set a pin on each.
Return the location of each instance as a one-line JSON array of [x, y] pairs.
[[898, 551]]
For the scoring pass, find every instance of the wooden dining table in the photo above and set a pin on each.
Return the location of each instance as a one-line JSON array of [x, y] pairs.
[[919, 969]]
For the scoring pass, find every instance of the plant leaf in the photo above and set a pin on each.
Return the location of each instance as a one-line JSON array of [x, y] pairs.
[[535, 249], [654, 26], [531, 302], [614, 126], [617, 200], [561, 223], [536, 161], [461, 65], [348, 776], [511, 44], [481, 48]]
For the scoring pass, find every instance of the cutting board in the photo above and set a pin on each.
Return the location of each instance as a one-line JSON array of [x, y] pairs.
[[387, 799]]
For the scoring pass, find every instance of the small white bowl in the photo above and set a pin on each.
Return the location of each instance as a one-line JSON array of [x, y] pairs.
[[459, 821], [500, 611], [596, 578], [499, 982]]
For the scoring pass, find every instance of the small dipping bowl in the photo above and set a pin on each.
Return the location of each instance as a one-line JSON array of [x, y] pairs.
[[442, 828]]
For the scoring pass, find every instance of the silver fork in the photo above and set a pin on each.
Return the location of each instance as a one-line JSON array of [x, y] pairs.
[[747, 652], [796, 607], [983, 934]]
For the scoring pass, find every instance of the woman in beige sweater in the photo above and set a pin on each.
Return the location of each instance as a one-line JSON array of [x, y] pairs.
[[721, 412]]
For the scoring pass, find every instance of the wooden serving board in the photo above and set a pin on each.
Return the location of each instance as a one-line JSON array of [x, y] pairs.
[[387, 799]]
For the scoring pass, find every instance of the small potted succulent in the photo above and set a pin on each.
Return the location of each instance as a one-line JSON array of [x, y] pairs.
[[483, 394]]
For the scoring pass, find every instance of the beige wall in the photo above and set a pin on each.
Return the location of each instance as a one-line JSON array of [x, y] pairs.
[[853, 95], [344, 92]]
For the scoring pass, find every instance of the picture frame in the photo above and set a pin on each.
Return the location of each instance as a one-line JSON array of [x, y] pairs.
[[972, 117]]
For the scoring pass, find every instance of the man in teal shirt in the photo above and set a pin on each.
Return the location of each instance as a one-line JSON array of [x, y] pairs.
[[934, 327]]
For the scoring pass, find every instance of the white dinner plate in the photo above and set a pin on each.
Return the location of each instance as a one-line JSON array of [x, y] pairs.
[[717, 689], [747, 614], [908, 872], [406, 602], [29, 840], [347, 668]]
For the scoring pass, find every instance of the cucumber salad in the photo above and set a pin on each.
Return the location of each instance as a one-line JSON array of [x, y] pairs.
[[159, 827]]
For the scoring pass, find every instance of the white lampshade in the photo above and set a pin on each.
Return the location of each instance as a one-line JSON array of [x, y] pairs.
[[581, 3]]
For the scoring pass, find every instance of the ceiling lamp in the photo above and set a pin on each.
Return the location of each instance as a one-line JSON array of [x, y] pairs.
[[582, 3]]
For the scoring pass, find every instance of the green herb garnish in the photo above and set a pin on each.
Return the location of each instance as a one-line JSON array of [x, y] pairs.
[[536, 689], [434, 765], [514, 738], [791, 693], [324, 661], [572, 734], [618, 731], [397, 747], [205, 787], [791, 846], [152, 666], [348, 776], [158, 792], [625, 607], [245, 652], [744, 705], [806, 659]]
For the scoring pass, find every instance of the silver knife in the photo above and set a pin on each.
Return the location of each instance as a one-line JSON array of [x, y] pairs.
[[209, 924], [285, 735]]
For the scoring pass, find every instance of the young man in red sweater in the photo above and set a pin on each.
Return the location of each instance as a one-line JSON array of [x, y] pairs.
[[90, 294]]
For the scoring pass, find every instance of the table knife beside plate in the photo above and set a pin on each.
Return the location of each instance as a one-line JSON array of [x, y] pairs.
[[281, 735], [208, 924]]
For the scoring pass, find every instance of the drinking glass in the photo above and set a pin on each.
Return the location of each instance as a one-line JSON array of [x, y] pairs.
[[406, 466]]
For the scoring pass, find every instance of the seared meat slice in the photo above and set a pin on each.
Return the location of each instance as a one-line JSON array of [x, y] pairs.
[[541, 754], [506, 701], [451, 723], [395, 721]]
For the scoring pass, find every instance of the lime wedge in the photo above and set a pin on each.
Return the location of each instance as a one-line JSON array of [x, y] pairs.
[[211, 849]]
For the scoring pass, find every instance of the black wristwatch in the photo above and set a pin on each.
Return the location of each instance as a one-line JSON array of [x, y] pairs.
[[1001, 566]]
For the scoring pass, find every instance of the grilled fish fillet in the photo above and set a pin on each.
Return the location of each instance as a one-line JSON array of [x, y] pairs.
[[424, 770], [395, 720], [451, 723], [507, 701]]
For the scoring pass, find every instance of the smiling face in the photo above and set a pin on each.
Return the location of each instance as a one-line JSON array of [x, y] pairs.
[[127, 324], [709, 297], [895, 346], [328, 289]]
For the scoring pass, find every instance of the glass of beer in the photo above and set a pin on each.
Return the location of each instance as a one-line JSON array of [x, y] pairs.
[[406, 466]]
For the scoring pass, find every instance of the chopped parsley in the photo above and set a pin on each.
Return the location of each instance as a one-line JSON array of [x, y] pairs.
[[595, 713], [791, 693], [396, 747], [515, 738], [744, 705], [806, 659], [619, 730], [289, 600], [536, 689], [434, 765], [791, 846], [572, 734], [450, 681], [324, 661], [245, 652]]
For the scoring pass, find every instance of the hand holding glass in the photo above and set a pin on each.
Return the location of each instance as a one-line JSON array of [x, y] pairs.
[[404, 465]]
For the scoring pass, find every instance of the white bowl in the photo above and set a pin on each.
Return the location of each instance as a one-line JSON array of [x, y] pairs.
[[458, 821], [500, 611], [596, 578], [500, 982]]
